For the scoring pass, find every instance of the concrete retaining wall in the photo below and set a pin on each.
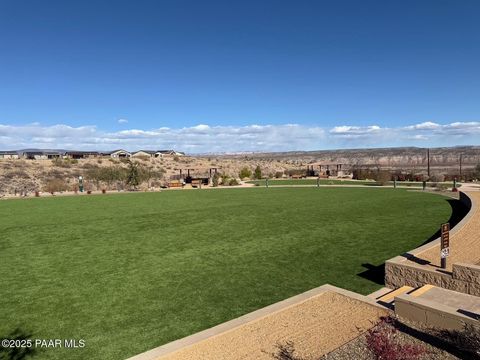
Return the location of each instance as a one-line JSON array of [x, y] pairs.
[[432, 314]]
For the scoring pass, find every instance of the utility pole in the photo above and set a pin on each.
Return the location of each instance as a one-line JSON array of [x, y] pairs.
[[461, 166], [428, 162]]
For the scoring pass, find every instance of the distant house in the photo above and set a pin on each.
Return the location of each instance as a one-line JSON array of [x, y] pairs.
[[157, 153], [145, 153], [33, 155], [42, 155], [171, 152], [8, 155], [119, 154], [38, 154], [81, 154]]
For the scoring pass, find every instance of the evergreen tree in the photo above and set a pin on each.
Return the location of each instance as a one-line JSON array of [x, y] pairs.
[[258, 172]]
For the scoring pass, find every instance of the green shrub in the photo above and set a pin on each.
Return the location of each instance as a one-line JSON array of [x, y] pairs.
[[382, 177], [258, 172], [106, 175], [245, 173], [65, 163], [225, 179], [292, 172], [215, 180]]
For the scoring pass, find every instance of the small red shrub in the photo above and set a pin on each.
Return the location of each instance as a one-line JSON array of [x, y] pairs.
[[381, 340]]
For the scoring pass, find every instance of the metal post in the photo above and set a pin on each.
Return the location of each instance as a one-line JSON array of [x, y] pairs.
[[444, 244], [454, 183], [424, 185], [266, 182], [80, 183], [395, 183], [318, 182]]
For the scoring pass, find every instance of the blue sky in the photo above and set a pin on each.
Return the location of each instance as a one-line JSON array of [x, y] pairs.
[[207, 76]]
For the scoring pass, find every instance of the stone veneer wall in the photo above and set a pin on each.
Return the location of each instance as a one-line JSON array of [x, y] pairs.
[[464, 277]]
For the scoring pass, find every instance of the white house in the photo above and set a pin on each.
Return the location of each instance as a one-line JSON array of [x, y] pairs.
[[170, 152], [145, 153], [8, 155], [120, 154]]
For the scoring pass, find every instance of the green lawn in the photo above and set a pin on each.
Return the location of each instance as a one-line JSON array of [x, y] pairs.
[[275, 182], [312, 182], [131, 272]]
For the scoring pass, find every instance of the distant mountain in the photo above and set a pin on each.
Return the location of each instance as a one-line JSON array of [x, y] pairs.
[[389, 157]]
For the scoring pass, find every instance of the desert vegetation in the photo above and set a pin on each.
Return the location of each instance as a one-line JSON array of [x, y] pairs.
[[379, 165]]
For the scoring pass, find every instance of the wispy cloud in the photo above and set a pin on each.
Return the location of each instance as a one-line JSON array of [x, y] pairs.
[[207, 138], [355, 131], [122, 121]]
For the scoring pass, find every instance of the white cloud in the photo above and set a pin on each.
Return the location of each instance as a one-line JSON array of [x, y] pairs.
[[122, 121], [354, 131], [428, 125], [207, 138], [418, 137]]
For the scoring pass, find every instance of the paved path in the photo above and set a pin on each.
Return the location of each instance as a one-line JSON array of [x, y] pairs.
[[464, 243]]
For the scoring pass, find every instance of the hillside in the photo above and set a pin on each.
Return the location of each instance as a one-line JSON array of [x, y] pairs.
[[37, 175]]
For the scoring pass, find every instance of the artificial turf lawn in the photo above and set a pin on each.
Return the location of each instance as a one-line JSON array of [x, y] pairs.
[[313, 182], [130, 272]]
